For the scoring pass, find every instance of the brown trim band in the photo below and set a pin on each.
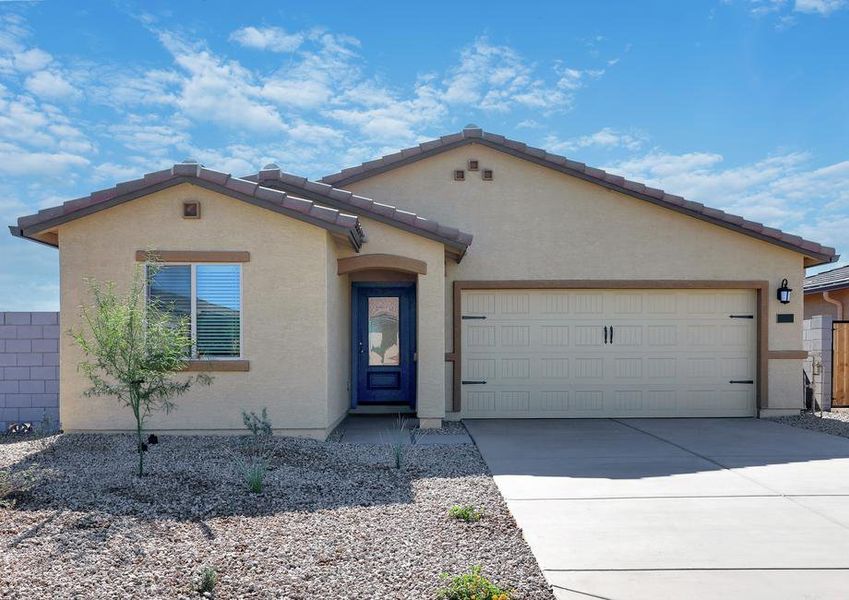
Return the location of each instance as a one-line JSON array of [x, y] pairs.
[[195, 256], [761, 288], [787, 354], [217, 365], [390, 262]]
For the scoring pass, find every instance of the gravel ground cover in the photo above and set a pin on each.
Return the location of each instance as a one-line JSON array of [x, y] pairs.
[[334, 521], [835, 422]]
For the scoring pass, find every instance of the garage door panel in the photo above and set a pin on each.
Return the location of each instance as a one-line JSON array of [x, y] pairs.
[[542, 353]]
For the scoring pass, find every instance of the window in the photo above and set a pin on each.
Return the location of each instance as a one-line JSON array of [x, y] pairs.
[[210, 295]]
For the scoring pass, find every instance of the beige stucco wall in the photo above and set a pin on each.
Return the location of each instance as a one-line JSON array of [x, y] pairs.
[[285, 310], [532, 222], [338, 336], [816, 305], [430, 308]]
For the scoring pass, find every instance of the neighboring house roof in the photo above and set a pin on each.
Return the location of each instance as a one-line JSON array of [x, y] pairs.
[[834, 279], [474, 135], [335, 221], [455, 240]]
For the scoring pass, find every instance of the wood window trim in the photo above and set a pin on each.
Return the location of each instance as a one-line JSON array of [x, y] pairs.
[[217, 365], [195, 256], [760, 287], [388, 262]]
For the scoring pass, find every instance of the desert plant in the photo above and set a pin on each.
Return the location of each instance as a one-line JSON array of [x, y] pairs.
[[207, 580], [133, 349], [465, 512], [399, 439], [12, 484], [258, 425], [252, 472], [471, 585]]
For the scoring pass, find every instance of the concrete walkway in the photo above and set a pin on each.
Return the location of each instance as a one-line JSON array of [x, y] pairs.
[[676, 508], [384, 429]]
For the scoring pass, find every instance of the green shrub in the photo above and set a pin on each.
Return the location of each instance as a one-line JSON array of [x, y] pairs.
[[14, 484], [253, 473], [471, 586], [400, 439], [257, 425], [207, 581], [467, 513]]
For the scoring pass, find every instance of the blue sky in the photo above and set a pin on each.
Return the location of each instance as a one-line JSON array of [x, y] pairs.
[[740, 104]]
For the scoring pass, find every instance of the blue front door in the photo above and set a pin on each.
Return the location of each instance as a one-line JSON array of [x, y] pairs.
[[384, 344]]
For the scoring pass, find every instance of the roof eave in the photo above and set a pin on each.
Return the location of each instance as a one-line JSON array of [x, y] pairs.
[[354, 233]]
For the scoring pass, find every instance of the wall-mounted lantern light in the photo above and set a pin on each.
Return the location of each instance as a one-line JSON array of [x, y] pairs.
[[784, 292]]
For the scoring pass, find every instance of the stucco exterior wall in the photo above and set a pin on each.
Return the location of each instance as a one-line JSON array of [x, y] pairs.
[[816, 305], [284, 309], [338, 337], [430, 308], [532, 222]]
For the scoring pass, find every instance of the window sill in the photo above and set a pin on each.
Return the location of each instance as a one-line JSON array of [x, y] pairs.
[[217, 365]]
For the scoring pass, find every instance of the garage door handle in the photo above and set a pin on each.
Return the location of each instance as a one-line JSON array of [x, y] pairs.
[[467, 382], [750, 381], [605, 334], [611, 334]]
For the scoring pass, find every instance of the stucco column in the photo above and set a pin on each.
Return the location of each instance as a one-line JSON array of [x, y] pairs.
[[430, 387]]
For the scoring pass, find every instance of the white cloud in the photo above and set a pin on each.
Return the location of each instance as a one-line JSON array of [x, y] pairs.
[[497, 78], [267, 38], [220, 91], [51, 85], [32, 59], [782, 191], [822, 7], [17, 161], [607, 138]]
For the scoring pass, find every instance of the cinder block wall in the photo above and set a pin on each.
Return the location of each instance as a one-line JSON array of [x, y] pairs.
[[29, 368], [816, 339]]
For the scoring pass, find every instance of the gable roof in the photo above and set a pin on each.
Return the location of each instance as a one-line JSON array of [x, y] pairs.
[[335, 221], [456, 241], [834, 279], [472, 134]]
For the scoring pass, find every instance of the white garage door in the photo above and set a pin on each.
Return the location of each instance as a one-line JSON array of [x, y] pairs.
[[608, 353]]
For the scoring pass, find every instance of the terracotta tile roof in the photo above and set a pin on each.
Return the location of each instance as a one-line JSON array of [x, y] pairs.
[[475, 135], [192, 172], [272, 176], [833, 279]]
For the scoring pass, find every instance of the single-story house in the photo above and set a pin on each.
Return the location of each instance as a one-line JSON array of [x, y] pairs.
[[826, 337], [471, 276]]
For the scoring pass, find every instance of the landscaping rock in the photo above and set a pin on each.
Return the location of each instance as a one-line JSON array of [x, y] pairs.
[[334, 520]]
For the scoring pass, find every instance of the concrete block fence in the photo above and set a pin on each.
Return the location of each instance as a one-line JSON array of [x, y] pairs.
[[816, 339], [29, 368]]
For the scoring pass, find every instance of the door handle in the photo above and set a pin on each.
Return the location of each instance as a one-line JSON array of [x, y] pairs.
[[605, 334], [361, 347], [611, 334]]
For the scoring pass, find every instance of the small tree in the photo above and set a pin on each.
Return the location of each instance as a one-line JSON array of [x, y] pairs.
[[133, 348]]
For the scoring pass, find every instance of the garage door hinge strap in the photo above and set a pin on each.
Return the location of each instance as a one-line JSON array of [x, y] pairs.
[[472, 317], [741, 316], [466, 382], [750, 381]]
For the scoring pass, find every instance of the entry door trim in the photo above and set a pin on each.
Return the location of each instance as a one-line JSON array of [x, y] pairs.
[[761, 287], [412, 329]]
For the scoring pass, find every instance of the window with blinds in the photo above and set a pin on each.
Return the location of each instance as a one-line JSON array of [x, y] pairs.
[[211, 296]]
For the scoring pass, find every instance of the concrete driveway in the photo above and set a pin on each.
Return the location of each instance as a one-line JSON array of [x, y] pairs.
[[676, 508]]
